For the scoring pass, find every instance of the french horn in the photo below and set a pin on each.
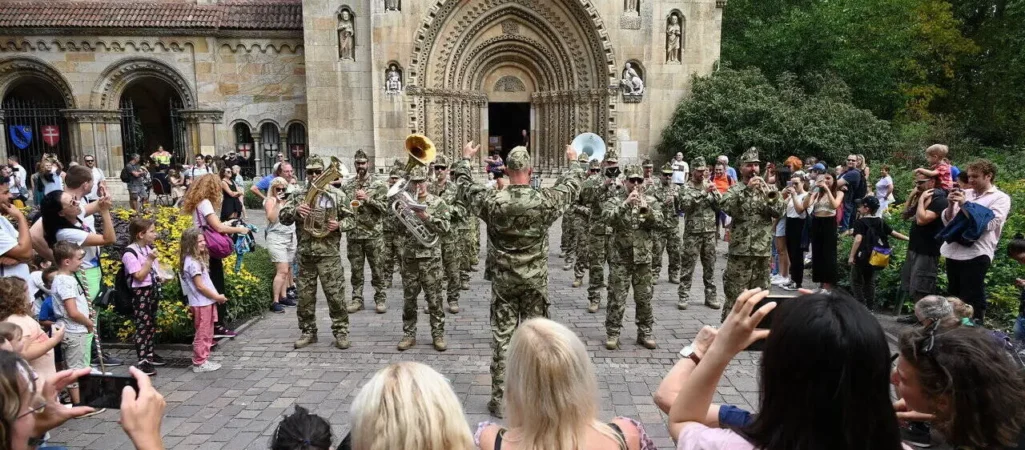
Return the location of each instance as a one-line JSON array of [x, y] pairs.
[[421, 152]]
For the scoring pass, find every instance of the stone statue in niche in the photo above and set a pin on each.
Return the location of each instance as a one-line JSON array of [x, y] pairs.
[[631, 81], [674, 39], [632, 6], [393, 80], [346, 36], [391, 5]]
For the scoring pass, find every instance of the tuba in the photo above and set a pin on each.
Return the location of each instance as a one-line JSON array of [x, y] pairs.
[[421, 153], [316, 223], [589, 144]]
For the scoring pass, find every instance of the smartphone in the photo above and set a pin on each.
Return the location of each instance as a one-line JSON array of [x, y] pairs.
[[766, 322], [104, 391]]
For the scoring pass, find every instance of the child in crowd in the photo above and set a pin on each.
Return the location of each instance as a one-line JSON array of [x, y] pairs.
[[962, 311], [141, 264], [12, 333], [72, 309], [42, 302], [302, 431], [196, 283], [38, 265], [30, 341], [1016, 250], [936, 154], [869, 232]]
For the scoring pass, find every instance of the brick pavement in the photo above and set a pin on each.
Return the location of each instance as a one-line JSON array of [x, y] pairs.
[[263, 376]]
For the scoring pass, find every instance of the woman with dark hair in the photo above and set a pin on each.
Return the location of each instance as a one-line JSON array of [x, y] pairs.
[[823, 202], [965, 383], [63, 220], [823, 379], [231, 204]]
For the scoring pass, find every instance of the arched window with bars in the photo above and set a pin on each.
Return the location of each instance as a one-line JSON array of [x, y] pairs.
[[270, 141], [244, 147], [297, 148]]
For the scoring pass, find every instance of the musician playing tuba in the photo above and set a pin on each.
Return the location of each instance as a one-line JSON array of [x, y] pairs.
[[322, 212], [365, 241]]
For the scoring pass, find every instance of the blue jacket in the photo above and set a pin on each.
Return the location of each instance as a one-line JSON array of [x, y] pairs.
[[967, 228]]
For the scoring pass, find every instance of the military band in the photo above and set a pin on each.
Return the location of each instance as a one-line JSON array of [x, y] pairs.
[[365, 241]]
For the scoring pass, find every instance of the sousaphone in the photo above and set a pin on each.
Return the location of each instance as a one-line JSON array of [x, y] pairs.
[[591, 145]]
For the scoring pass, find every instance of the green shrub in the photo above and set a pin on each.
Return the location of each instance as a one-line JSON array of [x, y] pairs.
[[251, 200]]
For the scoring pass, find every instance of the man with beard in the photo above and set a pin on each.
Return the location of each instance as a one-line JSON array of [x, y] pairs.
[[750, 250], [364, 240], [599, 230], [667, 237], [453, 255]]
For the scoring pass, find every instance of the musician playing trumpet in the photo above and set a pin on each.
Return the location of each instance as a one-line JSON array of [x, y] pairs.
[[699, 201], [365, 241], [753, 204], [667, 237], [634, 217]]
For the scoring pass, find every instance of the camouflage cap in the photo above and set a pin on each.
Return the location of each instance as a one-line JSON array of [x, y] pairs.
[[582, 157], [647, 163], [360, 156], [594, 164], [395, 172], [419, 173], [612, 156], [633, 171], [750, 156], [441, 161], [315, 162], [698, 164], [518, 159], [667, 169]]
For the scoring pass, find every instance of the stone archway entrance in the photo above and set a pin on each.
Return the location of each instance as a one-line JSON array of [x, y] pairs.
[[480, 64], [151, 118]]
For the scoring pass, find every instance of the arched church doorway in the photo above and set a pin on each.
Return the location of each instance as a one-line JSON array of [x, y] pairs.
[[508, 126], [34, 122], [151, 118]]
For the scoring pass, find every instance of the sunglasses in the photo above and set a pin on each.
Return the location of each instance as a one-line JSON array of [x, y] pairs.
[[88, 161], [852, 160], [637, 180]]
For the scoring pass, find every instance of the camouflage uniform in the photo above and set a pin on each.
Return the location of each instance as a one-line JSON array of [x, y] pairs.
[[750, 239], [667, 237], [391, 252], [364, 241], [453, 253], [320, 258], [595, 195], [571, 224], [422, 270], [582, 210], [701, 208], [517, 218]]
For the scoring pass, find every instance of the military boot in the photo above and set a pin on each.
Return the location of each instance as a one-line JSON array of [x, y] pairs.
[[305, 340], [592, 308], [354, 307], [646, 341], [406, 343], [439, 344], [674, 279], [341, 342], [495, 408], [381, 308], [612, 343], [453, 308], [577, 282], [714, 303], [568, 265], [682, 305], [465, 286]]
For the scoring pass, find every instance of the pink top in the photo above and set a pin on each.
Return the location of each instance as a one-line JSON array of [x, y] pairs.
[[32, 332], [133, 264], [998, 202], [943, 172], [696, 436]]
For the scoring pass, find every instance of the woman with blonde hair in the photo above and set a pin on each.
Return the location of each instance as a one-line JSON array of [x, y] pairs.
[[280, 243], [408, 405], [202, 201], [551, 394]]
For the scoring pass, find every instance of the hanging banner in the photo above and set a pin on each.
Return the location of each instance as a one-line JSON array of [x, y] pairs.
[[21, 135], [51, 135]]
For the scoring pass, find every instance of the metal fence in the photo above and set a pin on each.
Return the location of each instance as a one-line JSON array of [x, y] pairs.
[[34, 127], [133, 134]]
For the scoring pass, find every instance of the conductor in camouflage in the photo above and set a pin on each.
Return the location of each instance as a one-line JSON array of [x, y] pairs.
[[365, 241], [667, 236], [453, 243], [753, 209], [421, 264], [699, 200], [634, 217], [320, 258], [517, 218]]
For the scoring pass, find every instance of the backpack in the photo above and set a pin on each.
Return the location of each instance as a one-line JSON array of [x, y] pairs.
[[875, 249], [122, 292], [126, 176]]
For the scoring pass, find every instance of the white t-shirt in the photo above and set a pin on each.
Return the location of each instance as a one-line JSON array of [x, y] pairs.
[[56, 185], [190, 269], [203, 209], [21, 173], [63, 288], [97, 178], [196, 172], [680, 171], [882, 186], [9, 240], [78, 236], [792, 211]]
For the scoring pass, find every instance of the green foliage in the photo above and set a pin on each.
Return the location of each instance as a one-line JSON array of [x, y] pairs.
[[731, 110], [251, 200]]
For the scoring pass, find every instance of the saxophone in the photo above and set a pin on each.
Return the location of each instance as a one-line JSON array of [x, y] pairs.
[[403, 203], [316, 223]]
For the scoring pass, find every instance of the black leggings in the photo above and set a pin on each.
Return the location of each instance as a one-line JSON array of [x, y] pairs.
[[217, 277], [794, 234], [823, 249], [145, 318], [966, 279]]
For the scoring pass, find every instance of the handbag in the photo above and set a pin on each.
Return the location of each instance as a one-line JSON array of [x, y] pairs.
[[218, 244], [880, 257]]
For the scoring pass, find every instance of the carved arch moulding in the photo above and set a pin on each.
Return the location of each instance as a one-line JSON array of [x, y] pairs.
[[67, 45], [112, 82], [19, 67]]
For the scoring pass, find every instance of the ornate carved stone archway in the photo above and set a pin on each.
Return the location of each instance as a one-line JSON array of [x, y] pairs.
[[561, 46], [112, 82], [14, 69]]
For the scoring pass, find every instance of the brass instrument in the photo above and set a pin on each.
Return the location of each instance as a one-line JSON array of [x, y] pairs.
[[591, 145], [637, 200], [316, 222], [403, 203], [769, 192]]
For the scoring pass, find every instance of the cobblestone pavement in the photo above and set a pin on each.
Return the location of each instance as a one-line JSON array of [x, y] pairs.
[[263, 376]]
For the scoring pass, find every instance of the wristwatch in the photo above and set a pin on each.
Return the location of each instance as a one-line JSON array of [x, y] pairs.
[[688, 352]]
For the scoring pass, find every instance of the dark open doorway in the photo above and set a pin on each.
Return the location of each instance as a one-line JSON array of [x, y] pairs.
[[150, 118], [507, 121]]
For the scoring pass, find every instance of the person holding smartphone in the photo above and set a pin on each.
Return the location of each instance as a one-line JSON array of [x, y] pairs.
[[280, 243]]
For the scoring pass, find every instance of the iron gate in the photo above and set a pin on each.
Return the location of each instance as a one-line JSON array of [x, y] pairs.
[[133, 134], [30, 126], [179, 134]]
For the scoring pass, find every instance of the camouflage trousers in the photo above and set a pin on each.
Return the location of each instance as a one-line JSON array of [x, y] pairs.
[[580, 240], [467, 253], [668, 241], [697, 246], [597, 254], [742, 273], [391, 257], [623, 276], [512, 301], [453, 258], [331, 272], [369, 250], [567, 245], [422, 275], [473, 246]]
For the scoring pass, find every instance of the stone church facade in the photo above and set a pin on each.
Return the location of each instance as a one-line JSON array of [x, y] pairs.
[[333, 76]]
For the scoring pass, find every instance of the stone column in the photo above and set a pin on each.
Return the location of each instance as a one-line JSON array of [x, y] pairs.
[[96, 132], [202, 130], [257, 153], [3, 141]]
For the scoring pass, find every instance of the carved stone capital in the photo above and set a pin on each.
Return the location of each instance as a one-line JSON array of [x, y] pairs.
[[632, 98], [203, 115], [720, 3], [92, 115]]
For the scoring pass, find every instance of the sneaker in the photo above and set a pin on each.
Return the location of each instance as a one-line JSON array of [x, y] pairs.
[[277, 308], [775, 279], [208, 366], [789, 286], [221, 331], [287, 302], [109, 360], [156, 360], [917, 434], [292, 294], [146, 368], [781, 281]]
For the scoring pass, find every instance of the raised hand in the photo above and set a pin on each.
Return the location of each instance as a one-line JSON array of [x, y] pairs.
[[571, 153], [741, 327], [469, 150]]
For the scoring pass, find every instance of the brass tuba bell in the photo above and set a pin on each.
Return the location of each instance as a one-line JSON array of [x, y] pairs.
[[421, 153], [316, 223]]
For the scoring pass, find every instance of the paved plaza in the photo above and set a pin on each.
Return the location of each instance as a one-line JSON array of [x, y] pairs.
[[262, 377]]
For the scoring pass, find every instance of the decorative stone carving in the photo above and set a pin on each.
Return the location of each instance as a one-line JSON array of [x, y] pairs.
[[92, 115], [674, 39], [632, 7], [115, 78], [393, 80], [346, 35], [510, 27], [13, 68], [392, 5], [632, 83], [510, 83], [203, 115]]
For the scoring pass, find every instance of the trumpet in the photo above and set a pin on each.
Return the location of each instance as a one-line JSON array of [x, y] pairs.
[[636, 199], [355, 204], [767, 191]]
